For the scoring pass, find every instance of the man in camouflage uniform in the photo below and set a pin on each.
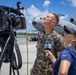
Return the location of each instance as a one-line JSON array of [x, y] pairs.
[[41, 65]]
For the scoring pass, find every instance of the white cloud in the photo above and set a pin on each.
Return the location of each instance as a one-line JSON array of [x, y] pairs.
[[73, 2], [32, 12], [63, 3], [64, 17], [23, 11], [46, 3]]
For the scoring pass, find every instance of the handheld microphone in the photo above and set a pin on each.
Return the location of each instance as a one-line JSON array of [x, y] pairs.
[[47, 46]]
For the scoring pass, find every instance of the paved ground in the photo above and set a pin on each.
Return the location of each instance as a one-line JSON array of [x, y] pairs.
[[25, 70]]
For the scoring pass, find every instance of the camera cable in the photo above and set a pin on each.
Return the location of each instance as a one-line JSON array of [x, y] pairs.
[[15, 64]]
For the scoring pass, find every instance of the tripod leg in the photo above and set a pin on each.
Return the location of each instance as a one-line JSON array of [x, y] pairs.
[[16, 65], [0, 71], [10, 70], [13, 72]]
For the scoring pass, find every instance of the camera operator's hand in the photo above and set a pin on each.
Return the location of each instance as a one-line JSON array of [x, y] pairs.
[[50, 55]]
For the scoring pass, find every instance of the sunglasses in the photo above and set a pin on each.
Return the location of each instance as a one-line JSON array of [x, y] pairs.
[[68, 32]]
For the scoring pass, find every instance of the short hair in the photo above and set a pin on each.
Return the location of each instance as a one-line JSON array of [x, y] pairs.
[[57, 18]]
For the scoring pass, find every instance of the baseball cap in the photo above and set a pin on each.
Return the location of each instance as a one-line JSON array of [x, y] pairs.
[[70, 30]]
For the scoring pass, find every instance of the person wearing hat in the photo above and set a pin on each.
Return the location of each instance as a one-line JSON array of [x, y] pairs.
[[66, 63]]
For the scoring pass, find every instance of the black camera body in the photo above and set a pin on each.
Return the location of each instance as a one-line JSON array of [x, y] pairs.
[[10, 20], [11, 17], [4, 22]]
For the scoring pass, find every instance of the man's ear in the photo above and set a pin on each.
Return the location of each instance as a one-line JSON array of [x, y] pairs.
[[74, 39], [53, 22]]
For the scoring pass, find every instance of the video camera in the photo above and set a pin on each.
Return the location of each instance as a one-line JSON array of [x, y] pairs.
[[11, 17]]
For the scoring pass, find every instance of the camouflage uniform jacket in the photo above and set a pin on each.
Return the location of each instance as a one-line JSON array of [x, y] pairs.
[[41, 67]]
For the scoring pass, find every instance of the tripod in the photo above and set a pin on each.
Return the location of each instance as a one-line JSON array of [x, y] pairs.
[[7, 54]]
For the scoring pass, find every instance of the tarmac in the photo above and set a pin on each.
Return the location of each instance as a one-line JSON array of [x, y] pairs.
[[28, 52]]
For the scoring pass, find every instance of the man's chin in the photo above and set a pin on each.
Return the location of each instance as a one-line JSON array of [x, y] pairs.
[[44, 22]]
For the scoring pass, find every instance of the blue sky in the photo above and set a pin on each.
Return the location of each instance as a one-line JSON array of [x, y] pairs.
[[39, 7]]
